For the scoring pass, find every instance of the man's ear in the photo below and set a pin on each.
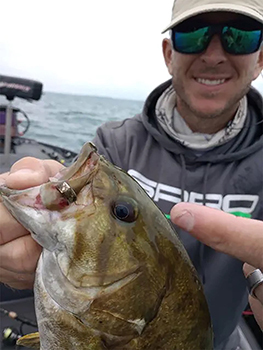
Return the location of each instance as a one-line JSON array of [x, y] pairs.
[[167, 54], [259, 66]]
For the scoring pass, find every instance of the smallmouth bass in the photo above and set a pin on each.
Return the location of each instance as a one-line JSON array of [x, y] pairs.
[[113, 273]]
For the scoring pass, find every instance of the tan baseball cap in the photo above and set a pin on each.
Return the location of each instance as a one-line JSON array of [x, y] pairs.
[[183, 9]]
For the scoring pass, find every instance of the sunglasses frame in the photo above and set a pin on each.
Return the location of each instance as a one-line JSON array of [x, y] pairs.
[[216, 29]]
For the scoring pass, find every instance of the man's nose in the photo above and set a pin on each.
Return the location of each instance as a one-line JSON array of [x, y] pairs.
[[214, 54]]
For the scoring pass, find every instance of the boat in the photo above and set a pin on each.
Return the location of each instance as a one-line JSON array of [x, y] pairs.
[[17, 313], [14, 146]]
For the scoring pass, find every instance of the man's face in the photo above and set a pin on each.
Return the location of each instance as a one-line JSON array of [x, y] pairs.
[[211, 83]]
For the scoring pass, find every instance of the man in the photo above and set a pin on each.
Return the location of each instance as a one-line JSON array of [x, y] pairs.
[[199, 139]]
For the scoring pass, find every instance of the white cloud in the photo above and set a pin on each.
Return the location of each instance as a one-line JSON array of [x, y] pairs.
[[100, 47], [107, 47]]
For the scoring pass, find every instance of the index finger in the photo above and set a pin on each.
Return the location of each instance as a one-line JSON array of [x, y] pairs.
[[236, 236]]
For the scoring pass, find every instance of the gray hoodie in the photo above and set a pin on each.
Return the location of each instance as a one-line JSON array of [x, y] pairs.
[[227, 177]]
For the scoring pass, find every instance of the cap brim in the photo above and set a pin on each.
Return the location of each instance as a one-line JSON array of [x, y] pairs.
[[212, 8]]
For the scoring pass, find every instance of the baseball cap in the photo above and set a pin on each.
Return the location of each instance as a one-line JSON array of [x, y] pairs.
[[184, 9]]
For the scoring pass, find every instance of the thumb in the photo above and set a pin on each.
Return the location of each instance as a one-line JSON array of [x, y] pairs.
[[236, 236], [30, 172]]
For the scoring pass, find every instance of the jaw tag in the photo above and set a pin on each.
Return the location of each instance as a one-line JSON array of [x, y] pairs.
[[67, 191]]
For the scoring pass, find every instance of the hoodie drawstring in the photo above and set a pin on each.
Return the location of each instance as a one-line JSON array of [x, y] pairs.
[[183, 176], [205, 182]]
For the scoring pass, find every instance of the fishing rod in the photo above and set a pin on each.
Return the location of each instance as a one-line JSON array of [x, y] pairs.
[[10, 334], [15, 316]]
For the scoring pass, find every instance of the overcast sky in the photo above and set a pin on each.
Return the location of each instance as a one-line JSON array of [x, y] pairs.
[[96, 47]]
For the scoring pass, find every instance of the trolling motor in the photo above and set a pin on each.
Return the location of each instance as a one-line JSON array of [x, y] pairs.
[[12, 87]]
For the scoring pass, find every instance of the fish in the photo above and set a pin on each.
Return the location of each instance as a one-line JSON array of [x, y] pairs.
[[113, 273]]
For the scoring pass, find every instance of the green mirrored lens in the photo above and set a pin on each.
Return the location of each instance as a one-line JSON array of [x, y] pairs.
[[239, 41], [191, 42]]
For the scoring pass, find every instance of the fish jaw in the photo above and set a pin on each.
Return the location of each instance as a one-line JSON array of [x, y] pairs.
[[39, 208], [24, 206]]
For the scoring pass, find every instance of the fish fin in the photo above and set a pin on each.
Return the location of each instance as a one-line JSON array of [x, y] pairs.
[[31, 340]]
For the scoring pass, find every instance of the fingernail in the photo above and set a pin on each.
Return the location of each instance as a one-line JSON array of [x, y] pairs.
[[185, 220]]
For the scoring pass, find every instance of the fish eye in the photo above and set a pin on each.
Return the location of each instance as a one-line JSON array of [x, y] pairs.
[[125, 210]]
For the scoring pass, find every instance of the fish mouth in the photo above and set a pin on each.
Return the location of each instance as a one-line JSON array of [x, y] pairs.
[[80, 173], [98, 280]]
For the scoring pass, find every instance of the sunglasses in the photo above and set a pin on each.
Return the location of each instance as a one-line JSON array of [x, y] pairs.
[[237, 38]]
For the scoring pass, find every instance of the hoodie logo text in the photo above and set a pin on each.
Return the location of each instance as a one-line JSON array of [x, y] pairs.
[[238, 204]]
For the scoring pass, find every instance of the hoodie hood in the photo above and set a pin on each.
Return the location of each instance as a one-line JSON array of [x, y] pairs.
[[248, 141]]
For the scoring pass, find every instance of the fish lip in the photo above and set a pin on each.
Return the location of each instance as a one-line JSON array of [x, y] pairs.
[[108, 279], [114, 278]]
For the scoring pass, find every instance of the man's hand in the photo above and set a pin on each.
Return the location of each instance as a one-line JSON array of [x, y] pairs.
[[236, 236], [19, 253], [240, 237]]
